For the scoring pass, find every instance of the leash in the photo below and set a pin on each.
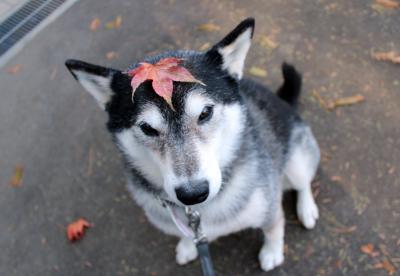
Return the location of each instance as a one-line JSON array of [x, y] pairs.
[[200, 241], [193, 230]]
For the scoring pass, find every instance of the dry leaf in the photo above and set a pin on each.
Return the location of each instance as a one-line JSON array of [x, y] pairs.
[[268, 42], [95, 24], [345, 230], [16, 180], [386, 265], [387, 56], [115, 24], [162, 74], [76, 230], [346, 101], [257, 71], [336, 178], [205, 46], [14, 69], [208, 27], [390, 4], [111, 55], [320, 100], [369, 249]]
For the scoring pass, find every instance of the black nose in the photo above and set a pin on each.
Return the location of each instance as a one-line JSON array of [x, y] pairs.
[[192, 193]]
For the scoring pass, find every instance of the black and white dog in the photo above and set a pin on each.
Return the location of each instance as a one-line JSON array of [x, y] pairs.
[[228, 148]]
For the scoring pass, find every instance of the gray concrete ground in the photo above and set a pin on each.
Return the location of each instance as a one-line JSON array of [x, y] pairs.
[[50, 126]]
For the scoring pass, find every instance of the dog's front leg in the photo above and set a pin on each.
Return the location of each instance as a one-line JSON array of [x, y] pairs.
[[271, 254], [186, 251]]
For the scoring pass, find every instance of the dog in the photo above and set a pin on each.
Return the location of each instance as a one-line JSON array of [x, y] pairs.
[[228, 148]]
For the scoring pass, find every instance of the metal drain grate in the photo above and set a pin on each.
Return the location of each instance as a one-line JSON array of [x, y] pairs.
[[22, 22]]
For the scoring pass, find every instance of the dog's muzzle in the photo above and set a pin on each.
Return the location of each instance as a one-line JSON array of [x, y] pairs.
[[193, 192]]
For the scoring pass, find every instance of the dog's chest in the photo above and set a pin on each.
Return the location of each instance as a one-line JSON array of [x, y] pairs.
[[223, 220]]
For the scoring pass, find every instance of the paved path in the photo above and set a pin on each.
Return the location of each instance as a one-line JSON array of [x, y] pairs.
[[55, 130]]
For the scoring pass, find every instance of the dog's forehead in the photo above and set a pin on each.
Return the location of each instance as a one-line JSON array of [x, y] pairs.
[[191, 104]]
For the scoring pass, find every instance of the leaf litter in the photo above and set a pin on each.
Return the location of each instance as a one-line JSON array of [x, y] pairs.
[[333, 104], [76, 229], [258, 71], [390, 56], [390, 4], [17, 177], [94, 24], [114, 24], [14, 69], [208, 27]]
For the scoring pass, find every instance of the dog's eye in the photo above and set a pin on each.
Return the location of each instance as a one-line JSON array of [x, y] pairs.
[[206, 114], [148, 130]]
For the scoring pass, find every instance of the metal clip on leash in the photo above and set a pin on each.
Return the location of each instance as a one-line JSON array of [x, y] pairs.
[[200, 241]]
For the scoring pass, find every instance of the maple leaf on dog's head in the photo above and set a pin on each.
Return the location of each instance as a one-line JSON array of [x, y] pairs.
[[162, 74]]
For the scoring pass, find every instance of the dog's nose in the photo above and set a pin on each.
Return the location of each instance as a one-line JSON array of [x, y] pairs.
[[192, 193]]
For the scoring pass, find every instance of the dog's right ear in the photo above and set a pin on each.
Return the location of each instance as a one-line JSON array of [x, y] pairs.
[[97, 80]]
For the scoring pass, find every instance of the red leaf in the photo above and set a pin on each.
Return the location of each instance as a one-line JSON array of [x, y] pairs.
[[76, 229], [162, 74]]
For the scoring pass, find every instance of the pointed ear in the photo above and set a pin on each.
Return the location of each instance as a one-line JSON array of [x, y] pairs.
[[95, 79], [230, 53]]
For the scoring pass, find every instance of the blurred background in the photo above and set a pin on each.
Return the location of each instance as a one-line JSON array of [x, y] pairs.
[[57, 162]]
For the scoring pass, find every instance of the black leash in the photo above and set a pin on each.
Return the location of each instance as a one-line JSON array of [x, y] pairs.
[[201, 242]]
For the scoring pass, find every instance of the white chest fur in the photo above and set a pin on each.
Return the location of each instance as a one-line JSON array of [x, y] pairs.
[[251, 216]]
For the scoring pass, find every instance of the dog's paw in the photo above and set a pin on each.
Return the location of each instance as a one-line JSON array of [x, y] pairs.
[[185, 251], [270, 258], [307, 211]]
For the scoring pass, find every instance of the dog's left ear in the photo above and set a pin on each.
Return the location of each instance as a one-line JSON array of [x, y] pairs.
[[230, 53]]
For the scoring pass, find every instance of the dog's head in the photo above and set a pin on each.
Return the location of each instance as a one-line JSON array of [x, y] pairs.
[[182, 151]]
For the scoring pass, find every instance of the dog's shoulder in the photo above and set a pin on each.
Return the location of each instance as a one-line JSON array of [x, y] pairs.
[[267, 107]]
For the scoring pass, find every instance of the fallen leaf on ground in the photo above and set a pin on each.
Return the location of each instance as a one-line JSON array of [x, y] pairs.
[[95, 24], [268, 42], [111, 55], [162, 74], [115, 24], [322, 102], [16, 180], [336, 178], [205, 46], [346, 101], [257, 71], [387, 56], [386, 265], [76, 230], [390, 4], [369, 249], [14, 69], [345, 230], [208, 27]]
